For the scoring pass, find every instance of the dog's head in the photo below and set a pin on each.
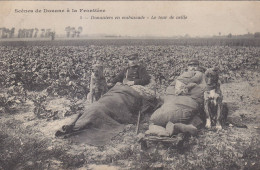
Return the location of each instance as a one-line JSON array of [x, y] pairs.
[[211, 76], [97, 69]]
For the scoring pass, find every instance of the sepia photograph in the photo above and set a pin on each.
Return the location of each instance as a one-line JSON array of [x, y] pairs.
[[129, 85]]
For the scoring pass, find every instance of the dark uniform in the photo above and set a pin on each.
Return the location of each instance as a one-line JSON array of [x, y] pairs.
[[137, 73]]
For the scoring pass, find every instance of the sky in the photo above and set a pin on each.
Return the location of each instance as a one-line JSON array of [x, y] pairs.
[[203, 17]]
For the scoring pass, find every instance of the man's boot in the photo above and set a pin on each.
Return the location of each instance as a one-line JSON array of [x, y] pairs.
[[174, 129]]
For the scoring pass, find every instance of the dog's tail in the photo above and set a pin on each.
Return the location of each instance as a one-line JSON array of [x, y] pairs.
[[235, 121]]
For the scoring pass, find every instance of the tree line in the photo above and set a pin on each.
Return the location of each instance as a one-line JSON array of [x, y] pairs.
[[71, 32]]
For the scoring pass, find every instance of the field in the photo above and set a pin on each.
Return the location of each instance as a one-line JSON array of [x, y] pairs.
[[45, 83], [119, 41]]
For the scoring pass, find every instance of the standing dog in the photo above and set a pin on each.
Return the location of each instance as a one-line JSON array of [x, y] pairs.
[[213, 100], [98, 84]]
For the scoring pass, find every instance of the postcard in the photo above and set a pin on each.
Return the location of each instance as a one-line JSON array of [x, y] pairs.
[[129, 84]]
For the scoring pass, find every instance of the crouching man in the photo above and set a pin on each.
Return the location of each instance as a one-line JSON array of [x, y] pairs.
[[134, 74], [137, 77]]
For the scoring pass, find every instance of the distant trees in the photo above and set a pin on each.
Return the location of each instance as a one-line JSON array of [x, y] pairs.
[[187, 36], [80, 29], [42, 33], [36, 32], [6, 32], [26, 33], [53, 35], [67, 29], [257, 35], [33, 33], [12, 32], [73, 32]]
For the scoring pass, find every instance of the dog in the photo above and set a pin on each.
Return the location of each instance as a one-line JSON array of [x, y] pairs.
[[98, 85], [213, 105]]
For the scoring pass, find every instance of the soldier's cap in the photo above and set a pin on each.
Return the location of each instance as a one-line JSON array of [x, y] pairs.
[[133, 56], [193, 62]]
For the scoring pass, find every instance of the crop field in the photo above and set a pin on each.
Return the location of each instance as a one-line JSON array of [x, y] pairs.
[[45, 83], [119, 41]]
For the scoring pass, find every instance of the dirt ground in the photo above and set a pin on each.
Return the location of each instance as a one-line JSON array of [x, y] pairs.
[[27, 142]]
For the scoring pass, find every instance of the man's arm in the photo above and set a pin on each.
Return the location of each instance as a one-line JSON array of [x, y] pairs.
[[119, 77], [144, 77], [197, 78]]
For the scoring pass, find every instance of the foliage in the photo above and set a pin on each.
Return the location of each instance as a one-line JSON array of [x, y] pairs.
[[65, 70], [40, 72], [8, 103], [20, 150]]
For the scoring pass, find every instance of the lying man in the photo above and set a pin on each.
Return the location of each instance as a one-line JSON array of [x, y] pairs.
[[182, 107], [188, 79], [103, 119]]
